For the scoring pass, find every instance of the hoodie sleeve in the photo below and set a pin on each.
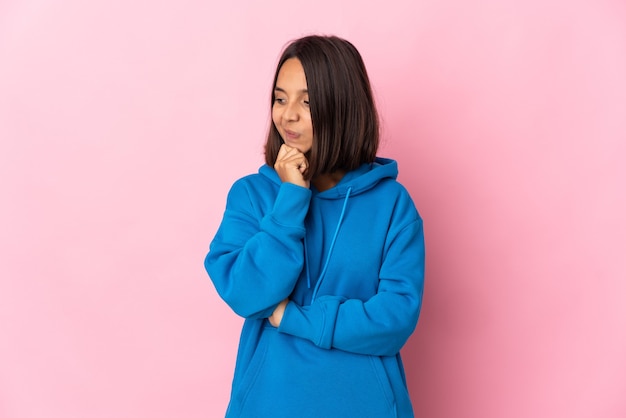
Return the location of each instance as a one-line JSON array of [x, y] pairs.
[[379, 326], [255, 259]]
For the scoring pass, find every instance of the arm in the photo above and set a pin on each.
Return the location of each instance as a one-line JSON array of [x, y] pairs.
[[254, 262], [379, 326]]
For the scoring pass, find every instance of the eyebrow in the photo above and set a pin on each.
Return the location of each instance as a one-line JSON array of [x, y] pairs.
[[283, 91]]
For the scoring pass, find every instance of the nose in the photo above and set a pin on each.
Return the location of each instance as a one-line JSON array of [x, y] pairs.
[[291, 112]]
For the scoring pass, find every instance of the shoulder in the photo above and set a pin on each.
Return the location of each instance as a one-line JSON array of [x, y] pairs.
[[252, 189], [399, 200], [264, 178], [248, 180]]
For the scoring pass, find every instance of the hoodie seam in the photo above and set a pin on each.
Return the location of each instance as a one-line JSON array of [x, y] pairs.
[[275, 221]]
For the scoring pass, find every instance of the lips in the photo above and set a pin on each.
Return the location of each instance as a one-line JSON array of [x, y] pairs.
[[291, 134]]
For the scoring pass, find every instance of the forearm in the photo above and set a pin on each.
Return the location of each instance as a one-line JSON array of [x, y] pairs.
[[255, 259], [378, 326], [251, 281], [374, 327]]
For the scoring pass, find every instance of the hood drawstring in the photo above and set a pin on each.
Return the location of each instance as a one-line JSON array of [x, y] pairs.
[[308, 275], [330, 249]]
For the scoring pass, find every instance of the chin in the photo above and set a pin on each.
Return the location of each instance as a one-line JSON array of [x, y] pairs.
[[299, 147]]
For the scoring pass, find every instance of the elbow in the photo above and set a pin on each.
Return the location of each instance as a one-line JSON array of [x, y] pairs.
[[402, 332], [399, 340]]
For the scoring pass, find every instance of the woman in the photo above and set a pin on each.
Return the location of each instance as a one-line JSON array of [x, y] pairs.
[[322, 251]]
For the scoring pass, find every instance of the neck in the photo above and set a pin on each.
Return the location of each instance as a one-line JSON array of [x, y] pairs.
[[324, 182]]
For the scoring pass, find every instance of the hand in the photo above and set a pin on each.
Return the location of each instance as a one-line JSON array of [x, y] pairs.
[[291, 165], [277, 316]]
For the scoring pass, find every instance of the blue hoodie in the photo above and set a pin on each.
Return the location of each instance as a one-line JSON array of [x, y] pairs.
[[351, 261]]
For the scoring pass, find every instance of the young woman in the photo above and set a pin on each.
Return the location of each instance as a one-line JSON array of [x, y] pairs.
[[322, 251]]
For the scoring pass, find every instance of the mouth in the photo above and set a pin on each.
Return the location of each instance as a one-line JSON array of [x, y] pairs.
[[291, 134]]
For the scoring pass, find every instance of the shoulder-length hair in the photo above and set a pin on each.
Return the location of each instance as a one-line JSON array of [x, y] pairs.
[[343, 112]]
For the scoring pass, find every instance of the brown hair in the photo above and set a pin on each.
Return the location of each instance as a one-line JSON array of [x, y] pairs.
[[343, 113]]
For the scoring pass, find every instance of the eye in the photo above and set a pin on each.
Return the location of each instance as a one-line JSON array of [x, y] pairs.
[[306, 103], [279, 100]]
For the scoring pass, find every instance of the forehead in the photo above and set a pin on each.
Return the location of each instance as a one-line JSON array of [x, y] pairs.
[[291, 76]]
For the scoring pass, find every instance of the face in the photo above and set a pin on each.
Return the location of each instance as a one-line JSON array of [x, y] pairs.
[[290, 112]]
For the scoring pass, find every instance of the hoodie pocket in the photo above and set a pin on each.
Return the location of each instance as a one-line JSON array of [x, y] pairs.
[[291, 377]]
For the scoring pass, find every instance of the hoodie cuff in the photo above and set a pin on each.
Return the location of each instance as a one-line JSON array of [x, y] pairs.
[[315, 322], [289, 211], [291, 205]]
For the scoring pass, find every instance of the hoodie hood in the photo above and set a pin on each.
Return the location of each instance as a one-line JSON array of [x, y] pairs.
[[356, 181]]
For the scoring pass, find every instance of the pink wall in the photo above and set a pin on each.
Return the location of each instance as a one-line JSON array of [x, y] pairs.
[[123, 124]]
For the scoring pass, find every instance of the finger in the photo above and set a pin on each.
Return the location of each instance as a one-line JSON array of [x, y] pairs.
[[289, 154], [304, 165], [295, 160], [282, 151]]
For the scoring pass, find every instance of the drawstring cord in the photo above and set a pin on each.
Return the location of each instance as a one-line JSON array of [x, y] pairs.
[[308, 275], [330, 250]]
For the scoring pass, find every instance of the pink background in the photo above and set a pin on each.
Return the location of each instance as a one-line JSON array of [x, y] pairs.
[[124, 123]]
